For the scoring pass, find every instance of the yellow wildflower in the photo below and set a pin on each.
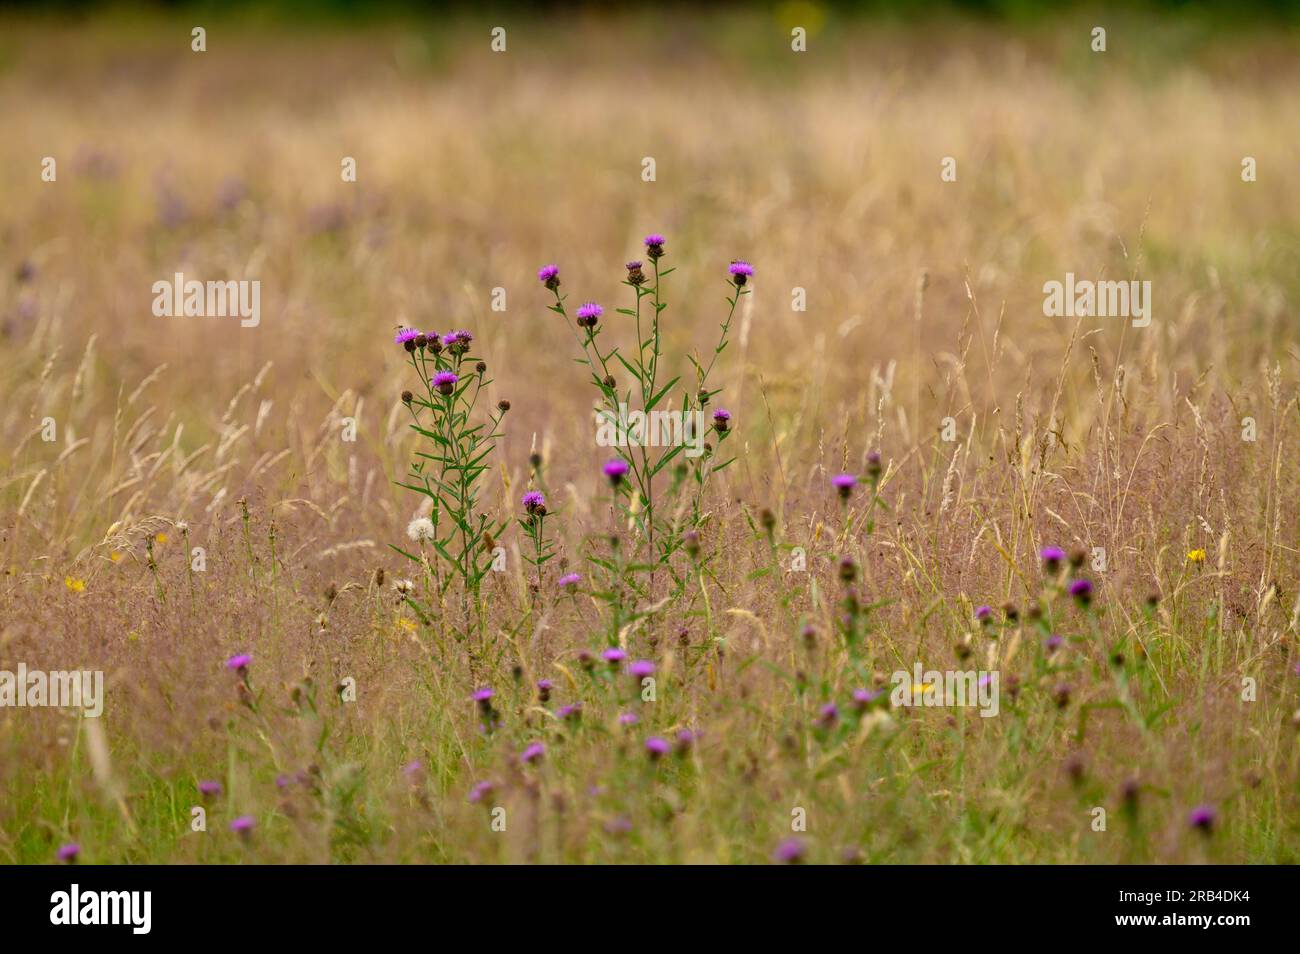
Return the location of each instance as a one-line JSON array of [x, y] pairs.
[[1196, 556], [75, 585]]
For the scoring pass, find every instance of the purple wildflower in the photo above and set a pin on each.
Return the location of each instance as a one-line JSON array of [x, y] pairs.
[[209, 789], [641, 669], [656, 747], [1051, 557], [544, 687], [741, 271], [1053, 643], [984, 613], [789, 852], [571, 712], [483, 695], [239, 663], [533, 752], [412, 769], [863, 698], [243, 825], [628, 718], [68, 853], [570, 579], [405, 335], [480, 791], [685, 739], [534, 502], [844, 484], [828, 715], [1202, 817], [615, 470], [549, 275], [445, 382], [613, 656], [1081, 590], [588, 314], [721, 420], [654, 246]]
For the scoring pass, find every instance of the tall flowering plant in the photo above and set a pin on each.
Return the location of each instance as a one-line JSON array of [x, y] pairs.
[[652, 474], [455, 541]]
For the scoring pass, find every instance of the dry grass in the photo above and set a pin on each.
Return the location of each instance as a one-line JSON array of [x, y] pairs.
[[924, 301]]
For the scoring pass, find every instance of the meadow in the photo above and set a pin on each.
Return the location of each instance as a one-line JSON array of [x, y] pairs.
[[225, 519]]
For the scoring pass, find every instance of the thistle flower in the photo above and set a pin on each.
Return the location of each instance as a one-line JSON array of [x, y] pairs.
[[1053, 643], [721, 420], [863, 698], [411, 769], [569, 580], [740, 271], [209, 789], [68, 853], [685, 739], [533, 752], [654, 246], [1051, 557], [544, 687], [656, 747], [571, 713], [791, 851], [634, 274], [445, 382], [984, 614], [420, 529], [480, 791], [844, 484], [483, 697], [588, 314], [1202, 817], [828, 715], [615, 470], [243, 825], [641, 669], [239, 663], [613, 656], [549, 275], [1081, 590], [628, 718]]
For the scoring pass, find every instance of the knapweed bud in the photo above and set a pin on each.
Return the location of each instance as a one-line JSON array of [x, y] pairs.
[[503, 405], [407, 397], [480, 366], [809, 634], [421, 340], [610, 382], [1077, 557], [535, 460], [1061, 695], [702, 396], [873, 465], [767, 519], [691, 542], [848, 569]]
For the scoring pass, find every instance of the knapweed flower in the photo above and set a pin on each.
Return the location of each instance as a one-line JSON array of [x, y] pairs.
[[641, 669], [628, 718], [569, 580], [534, 502], [420, 529], [862, 698], [588, 314], [480, 791], [549, 275], [544, 687], [457, 342], [634, 274], [68, 853], [1202, 817], [789, 852], [1196, 556], [1051, 557], [685, 739], [406, 336], [828, 715], [411, 769], [613, 655], [483, 696], [209, 789], [1053, 643], [445, 382], [570, 713], [1081, 590], [239, 663], [740, 271], [243, 825], [656, 747], [616, 470], [654, 245], [984, 613], [532, 753], [844, 484], [873, 465], [721, 420]]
